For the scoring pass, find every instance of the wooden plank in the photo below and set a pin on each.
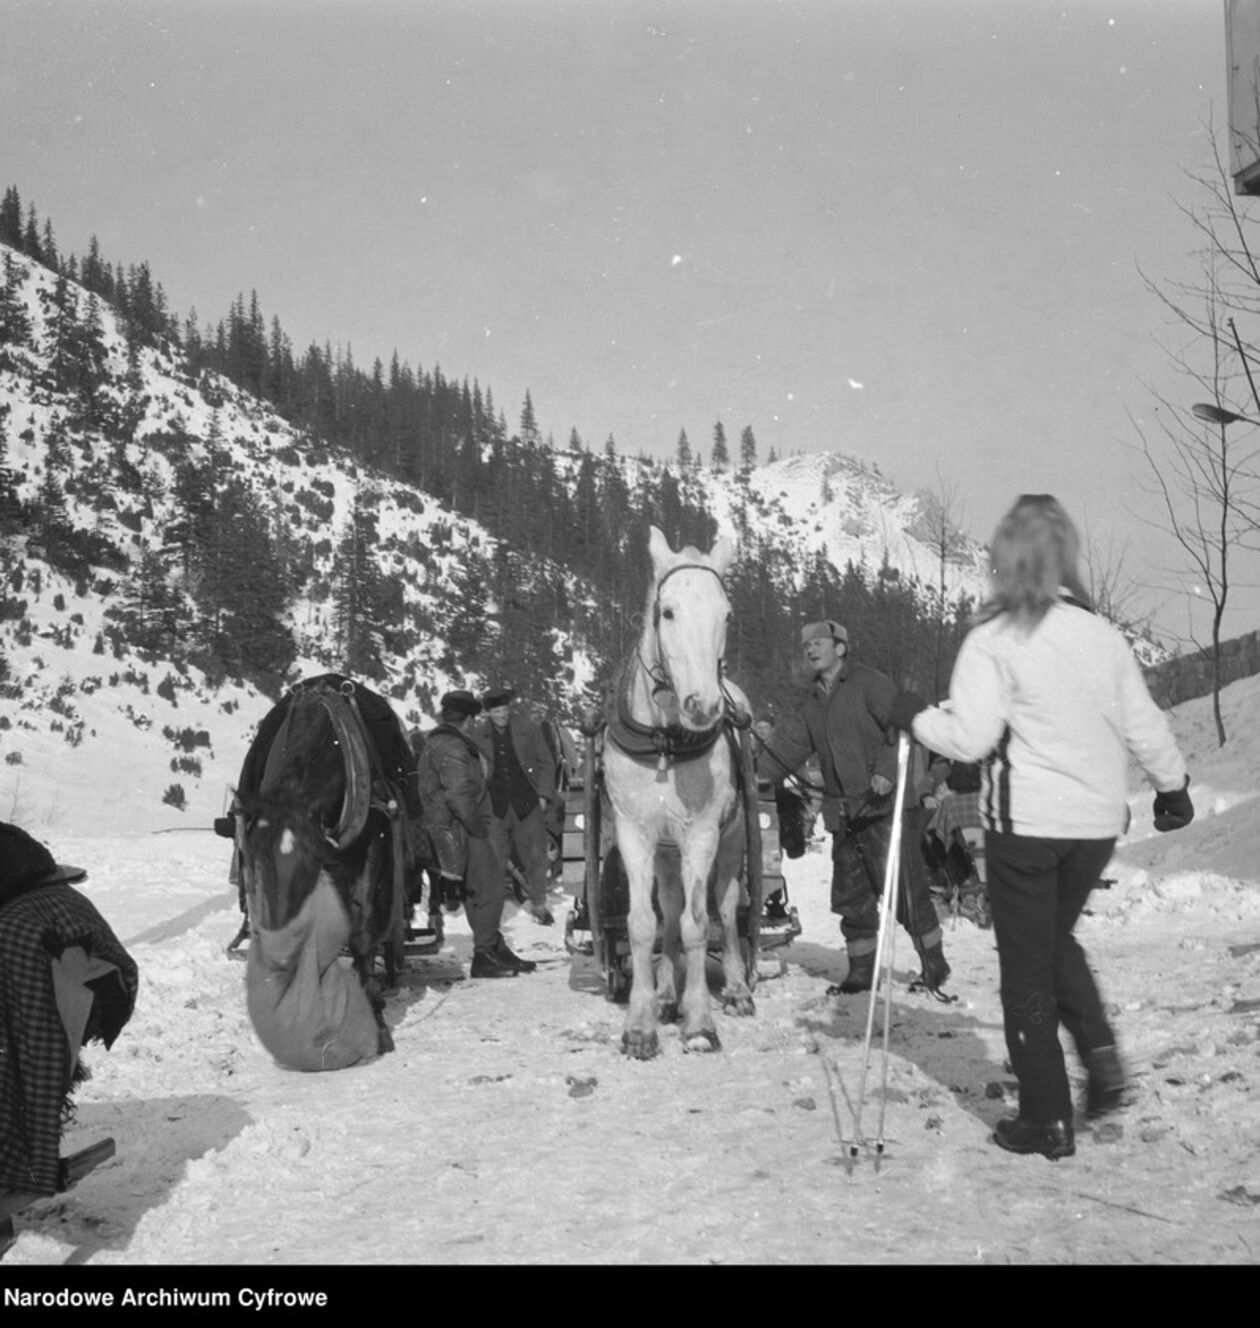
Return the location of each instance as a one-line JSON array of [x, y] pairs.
[[73, 1169]]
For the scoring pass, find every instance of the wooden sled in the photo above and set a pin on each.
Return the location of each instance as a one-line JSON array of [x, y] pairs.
[[71, 1171]]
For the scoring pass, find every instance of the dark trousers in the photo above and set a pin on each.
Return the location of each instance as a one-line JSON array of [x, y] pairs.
[[859, 857], [526, 836], [483, 893], [1037, 889]]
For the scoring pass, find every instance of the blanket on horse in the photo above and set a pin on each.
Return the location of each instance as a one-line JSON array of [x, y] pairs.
[[64, 980], [304, 998]]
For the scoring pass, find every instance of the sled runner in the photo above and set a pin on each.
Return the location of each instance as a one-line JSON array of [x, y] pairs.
[[70, 1171]]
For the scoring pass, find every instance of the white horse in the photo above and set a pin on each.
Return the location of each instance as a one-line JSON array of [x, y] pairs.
[[670, 770]]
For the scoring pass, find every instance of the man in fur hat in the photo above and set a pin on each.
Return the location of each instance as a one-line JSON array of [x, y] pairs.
[[846, 721]]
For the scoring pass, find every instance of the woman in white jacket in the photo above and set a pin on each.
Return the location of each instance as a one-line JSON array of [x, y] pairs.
[[1051, 699]]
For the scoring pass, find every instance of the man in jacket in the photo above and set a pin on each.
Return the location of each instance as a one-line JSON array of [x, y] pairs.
[[845, 722], [456, 803], [522, 786]]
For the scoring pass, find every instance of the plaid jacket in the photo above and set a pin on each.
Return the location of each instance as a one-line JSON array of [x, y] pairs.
[[35, 1055]]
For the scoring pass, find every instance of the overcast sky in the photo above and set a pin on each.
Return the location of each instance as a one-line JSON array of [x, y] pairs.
[[910, 230]]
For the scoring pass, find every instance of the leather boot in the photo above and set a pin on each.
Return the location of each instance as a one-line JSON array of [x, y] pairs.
[[1052, 1139], [1105, 1091], [935, 968], [860, 975], [487, 964], [505, 955]]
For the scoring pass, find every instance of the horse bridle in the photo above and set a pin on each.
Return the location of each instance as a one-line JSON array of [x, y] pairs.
[[659, 671]]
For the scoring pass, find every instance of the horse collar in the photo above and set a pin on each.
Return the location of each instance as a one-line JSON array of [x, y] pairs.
[[656, 742]]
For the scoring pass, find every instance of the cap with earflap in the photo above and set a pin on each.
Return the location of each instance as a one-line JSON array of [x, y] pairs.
[[25, 862], [827, 628], [499, 697], [460, 703]]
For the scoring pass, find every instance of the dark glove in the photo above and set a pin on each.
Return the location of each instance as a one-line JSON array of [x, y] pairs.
[[1174, 810], [904, 708], [453, 894]]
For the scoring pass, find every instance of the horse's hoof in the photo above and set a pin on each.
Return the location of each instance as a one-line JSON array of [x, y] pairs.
[[640, 1046], [384, 1042], [667, 1013], [742, 1006], [704, 1040]]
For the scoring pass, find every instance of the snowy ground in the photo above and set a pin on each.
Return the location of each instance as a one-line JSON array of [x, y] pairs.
[[507, 1127]]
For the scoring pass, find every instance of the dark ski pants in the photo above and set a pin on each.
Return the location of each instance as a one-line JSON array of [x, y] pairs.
[[1037, 889], [483, 893], [859, 857]]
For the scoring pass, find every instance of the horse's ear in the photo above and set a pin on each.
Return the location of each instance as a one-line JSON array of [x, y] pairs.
[[722, 555], [658, 547]]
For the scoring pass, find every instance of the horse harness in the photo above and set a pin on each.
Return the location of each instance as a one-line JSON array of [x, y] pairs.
[[367, 786]]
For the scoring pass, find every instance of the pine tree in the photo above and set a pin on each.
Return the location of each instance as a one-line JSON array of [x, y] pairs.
[[721, 458], [30, 235], [747, 450], [468, 632], [358, 591], [15, 321], [255, 638], [48, 247], [683, 451], [525, 645], [529, 425], [149, 609], [61, 334], [11, 218], [10, 504]]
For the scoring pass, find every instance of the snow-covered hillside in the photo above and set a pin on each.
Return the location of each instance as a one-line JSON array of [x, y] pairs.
[[73, 698]]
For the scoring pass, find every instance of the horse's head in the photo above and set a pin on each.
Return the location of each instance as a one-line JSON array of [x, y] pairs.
[[283, 850], [689, 614], [288, 825]]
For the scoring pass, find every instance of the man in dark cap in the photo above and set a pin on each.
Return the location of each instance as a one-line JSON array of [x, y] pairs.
[[522, 787], [456, 813], [846, 721]]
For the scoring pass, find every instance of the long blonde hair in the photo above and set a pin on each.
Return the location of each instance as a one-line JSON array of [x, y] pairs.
[[1033, 558]]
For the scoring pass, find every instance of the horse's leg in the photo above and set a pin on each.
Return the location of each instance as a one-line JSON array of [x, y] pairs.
[[640, 1039], [737, 996], [669, 894], [699, 1031], [736, 993], [366, 939]]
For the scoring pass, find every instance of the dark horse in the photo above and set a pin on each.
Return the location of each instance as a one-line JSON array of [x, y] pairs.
[[319, 825]]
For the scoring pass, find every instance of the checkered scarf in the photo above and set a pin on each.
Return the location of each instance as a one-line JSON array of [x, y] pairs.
[[35, 1061]]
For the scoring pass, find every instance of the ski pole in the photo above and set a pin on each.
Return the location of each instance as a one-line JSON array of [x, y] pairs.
[[884, 947]]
